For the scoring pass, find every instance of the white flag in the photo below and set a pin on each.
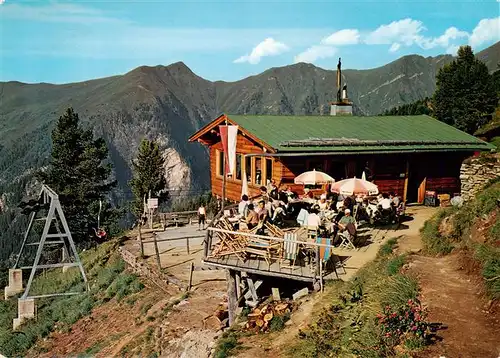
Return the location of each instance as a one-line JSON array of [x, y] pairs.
[[232, 134]]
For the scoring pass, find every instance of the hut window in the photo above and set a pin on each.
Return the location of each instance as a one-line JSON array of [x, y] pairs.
[[269, 169], [220, 163], [248, 169], [316, 164], [258, 171], [238, 166]]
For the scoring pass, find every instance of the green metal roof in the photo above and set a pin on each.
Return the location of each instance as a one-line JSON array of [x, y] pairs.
[[357, 134]]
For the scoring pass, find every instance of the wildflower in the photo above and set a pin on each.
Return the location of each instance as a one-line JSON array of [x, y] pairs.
[[410, 302], [388, 334], [414, 328]]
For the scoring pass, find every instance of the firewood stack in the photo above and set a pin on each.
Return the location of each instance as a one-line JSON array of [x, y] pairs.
[[259, 319]]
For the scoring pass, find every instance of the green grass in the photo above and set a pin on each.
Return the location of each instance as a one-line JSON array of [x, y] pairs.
[[489, 257], [434, 243], [227, 344], [348, 327], [395, 264], [107, 280]]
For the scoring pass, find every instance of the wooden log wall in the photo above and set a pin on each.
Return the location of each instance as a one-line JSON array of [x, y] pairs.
[[233, 186]]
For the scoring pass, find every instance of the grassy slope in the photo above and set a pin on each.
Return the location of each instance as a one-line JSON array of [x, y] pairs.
[[107, 278], [345, 318], [474, 227]]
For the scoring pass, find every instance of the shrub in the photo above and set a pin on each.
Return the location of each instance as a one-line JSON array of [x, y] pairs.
[[277, 323], [405, 322], [226, 344]]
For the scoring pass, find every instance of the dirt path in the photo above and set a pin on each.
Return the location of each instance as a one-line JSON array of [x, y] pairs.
[[455, 299]]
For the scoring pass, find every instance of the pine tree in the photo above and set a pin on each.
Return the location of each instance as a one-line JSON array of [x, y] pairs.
[[148, 175], [78, 173], [465, 95]]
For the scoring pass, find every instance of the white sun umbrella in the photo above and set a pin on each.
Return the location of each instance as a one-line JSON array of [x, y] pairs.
[[313, 177], [354, 186], [363, 176]]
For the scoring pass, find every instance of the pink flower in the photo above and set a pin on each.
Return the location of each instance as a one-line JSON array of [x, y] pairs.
[[414, 328]]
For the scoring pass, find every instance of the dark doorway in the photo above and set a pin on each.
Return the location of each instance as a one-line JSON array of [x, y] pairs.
[[416, 183], [337, 170]]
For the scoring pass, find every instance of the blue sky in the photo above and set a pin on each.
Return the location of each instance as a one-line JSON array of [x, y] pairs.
[[58, 42]]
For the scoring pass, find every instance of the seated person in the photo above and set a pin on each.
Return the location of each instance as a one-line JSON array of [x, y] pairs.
[[385, 203], [345, 220], [263, 192], [261, 208], [349, 203], [394, 199], [252, 218], [323, 205], [313, 219], [342, 224]]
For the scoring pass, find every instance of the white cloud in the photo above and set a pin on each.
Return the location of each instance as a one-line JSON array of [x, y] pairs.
[[452, 50], [268, 47], [449, 35], [315, 53], [394, 47], [485, 31], [404, 31], [342, 37]]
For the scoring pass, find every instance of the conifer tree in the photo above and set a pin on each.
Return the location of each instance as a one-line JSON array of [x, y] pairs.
[[465, 95], [148, 175], [78, 173]]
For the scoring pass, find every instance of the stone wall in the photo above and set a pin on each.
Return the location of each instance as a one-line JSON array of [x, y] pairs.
[[142, 268], [476, 172]]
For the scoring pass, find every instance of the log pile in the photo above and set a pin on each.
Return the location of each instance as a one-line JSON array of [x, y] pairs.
[[259, 320]]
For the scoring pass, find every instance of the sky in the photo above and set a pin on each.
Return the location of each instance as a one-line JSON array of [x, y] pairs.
[[70, 41]]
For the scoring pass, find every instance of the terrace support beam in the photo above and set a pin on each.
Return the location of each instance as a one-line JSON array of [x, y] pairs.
[[232, 300]]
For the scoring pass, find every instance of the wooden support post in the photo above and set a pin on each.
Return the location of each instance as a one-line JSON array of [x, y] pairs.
[[238, 285], [191, 276], [232, 302], [157, 252], [251, 288], [140, 241], [407, 173], [207, 243], [187, 245]]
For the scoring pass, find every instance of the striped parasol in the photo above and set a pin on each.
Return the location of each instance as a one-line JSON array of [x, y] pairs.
[[354, 186]]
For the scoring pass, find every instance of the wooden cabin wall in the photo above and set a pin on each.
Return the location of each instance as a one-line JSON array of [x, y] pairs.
[[443, 172], [233, 187]]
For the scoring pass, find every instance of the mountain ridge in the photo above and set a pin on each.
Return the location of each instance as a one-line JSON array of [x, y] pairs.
[[169, 103]]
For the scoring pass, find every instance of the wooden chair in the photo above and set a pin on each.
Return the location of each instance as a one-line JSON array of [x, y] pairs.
[[290, 247], [348, 236]]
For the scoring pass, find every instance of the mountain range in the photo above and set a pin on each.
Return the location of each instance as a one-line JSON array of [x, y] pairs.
[[169, 103]]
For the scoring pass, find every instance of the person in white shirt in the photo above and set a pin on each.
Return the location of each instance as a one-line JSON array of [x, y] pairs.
[[243, 206], [201, 216], [385, 203], [313, 219], [323, 205]]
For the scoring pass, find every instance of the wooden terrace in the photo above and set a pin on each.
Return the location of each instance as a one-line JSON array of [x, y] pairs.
[[301, 268]]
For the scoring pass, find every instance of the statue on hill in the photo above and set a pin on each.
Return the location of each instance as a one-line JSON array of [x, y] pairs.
[[339, 81]]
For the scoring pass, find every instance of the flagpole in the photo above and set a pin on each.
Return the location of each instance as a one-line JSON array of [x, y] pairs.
[[224, 173]]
